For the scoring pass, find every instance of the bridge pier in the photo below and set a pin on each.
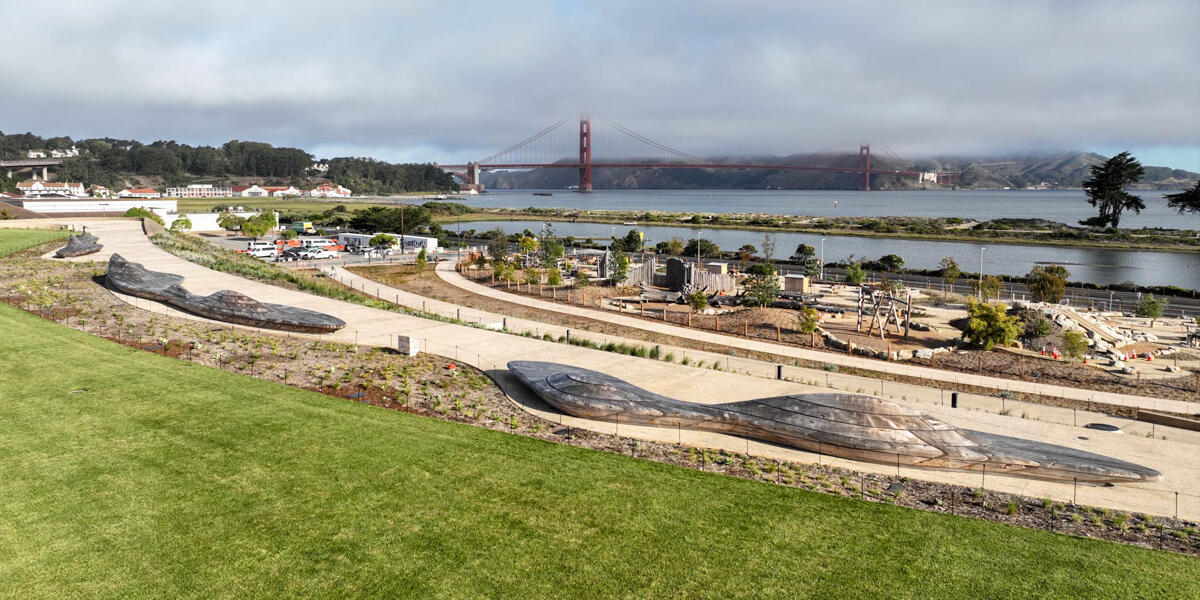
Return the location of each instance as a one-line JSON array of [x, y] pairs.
[[585, 154]]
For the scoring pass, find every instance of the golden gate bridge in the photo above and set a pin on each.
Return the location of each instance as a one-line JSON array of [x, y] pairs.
[[612, 145]]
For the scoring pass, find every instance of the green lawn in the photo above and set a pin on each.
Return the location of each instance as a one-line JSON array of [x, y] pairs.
[[15, 240], [127, 474]]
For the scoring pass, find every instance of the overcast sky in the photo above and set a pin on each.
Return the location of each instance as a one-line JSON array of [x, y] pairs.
[[453, 81]]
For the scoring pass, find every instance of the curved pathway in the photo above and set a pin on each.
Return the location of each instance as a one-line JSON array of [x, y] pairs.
[[446, 272]]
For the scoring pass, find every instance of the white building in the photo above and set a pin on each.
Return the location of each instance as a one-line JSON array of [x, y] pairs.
[[250, 191], [281, 191], [326, 190], [35, 189], [98, 191], [138, 193], [320, 167], [37, 154], [199, 190], [412, 243], [96, 205]]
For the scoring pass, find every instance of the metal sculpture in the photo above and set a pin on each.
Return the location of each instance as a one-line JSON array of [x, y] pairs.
[[850, 426], [226, 305]]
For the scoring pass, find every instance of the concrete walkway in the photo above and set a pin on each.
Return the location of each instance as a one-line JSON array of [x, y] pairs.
[[446, 272], [490, 350]]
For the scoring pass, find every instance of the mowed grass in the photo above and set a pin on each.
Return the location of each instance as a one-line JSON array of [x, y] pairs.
[[15, 240], [127, 474]]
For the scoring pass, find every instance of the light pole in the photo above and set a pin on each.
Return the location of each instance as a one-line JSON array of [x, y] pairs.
[[698, 232], [822, 259], [103, 209], [401, 228], [980, 293], [1110, 299]]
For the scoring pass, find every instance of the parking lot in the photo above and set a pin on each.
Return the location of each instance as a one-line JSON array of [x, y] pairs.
[[238, 242]]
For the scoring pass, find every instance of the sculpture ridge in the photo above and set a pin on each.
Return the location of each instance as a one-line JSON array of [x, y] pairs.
[[226, 305], [852, 426]]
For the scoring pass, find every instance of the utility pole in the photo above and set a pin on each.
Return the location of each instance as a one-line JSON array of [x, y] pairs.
[[980, 293], [402, 228], [822, 259]]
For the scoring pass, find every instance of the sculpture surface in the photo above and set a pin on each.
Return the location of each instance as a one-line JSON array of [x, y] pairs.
[[79, 245], [225, 305], [845, 425]]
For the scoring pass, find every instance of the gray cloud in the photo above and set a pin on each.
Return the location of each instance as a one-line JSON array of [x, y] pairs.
[[435, 81]]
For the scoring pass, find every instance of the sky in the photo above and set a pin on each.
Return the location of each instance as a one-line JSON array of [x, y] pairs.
[[451, 82]]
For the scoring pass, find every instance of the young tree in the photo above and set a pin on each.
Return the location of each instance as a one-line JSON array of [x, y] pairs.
[[949, 272], [768, 247], [382, 240], [229, 221], [527, 245], [1105, 190], [532, 276], [144, 213], [807, 322], [891, 263], [497, 246], [554, 276], [421, 261], [583, 280], [855, 274], [181, 224], [1074, 344], [1186, 201], [988, 325], [1048, 283], [746, 252], [762, 285], [621, 270], [1151, 308], [697, 300], [289, 234], [707, 248], [674, 246], [254, 228], [989, 287]]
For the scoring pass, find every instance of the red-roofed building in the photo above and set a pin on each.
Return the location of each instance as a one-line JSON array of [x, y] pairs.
[[39, 189], [326, 190], [138, 193]]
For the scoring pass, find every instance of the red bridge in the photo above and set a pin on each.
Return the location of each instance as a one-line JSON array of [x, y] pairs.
[[553, 148]]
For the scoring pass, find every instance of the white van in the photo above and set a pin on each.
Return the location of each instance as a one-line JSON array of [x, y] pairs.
[[261, 249]]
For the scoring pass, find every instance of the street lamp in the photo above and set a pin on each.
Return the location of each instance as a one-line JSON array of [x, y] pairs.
[[1110, 299], [698, 232], [980, 293], [822, 259], [103, 209]]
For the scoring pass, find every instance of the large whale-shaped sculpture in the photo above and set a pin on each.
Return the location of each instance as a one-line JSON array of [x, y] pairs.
[[850, 426], [226, 305]]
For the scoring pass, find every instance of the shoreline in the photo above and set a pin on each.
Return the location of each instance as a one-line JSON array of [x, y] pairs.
[[1017, 238]]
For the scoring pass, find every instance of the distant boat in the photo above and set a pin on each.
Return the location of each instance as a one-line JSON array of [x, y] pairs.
[[542, 194], [629, 223]]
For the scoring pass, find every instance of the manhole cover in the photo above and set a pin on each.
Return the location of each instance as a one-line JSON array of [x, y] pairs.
[[1103, 427]]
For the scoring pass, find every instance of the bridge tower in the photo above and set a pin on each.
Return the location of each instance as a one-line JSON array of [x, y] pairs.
[[585, 154], [864, 157]]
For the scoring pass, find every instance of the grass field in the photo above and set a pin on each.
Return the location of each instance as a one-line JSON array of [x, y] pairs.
[[127, 474], [15, 240]]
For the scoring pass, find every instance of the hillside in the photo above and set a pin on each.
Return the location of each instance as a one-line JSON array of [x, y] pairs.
[[1066, 170]]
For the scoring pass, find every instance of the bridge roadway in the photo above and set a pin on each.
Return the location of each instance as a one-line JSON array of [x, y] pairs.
[[491, 350]]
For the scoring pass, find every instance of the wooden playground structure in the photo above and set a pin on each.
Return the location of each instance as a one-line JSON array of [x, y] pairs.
[[886, 309]]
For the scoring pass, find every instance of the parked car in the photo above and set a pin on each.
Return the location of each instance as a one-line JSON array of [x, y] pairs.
[[319, 253], [261, 249]]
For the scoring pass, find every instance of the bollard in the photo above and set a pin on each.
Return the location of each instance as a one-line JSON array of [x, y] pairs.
[[568, 336], [953, 399], [778, 371]]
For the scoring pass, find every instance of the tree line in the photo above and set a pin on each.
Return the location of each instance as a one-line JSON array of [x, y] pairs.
[[107, 161]]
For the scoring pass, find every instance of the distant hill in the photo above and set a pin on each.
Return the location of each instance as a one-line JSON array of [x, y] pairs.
[[1056, 171]]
